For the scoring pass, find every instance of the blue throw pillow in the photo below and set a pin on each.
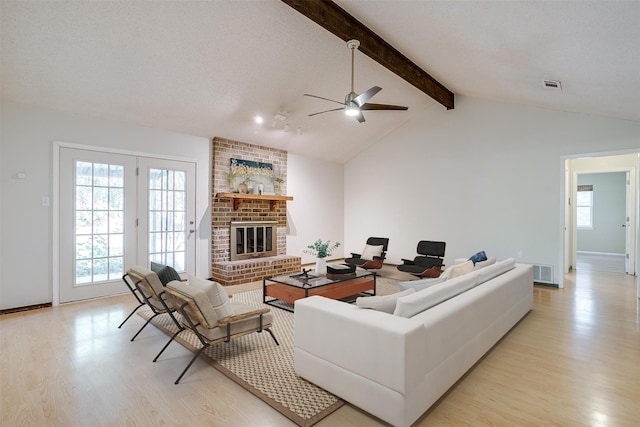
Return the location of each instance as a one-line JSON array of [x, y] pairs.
[[480, 256], [165, 273]]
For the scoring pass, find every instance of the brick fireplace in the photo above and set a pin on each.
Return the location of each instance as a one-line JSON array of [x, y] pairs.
[[225, 210]]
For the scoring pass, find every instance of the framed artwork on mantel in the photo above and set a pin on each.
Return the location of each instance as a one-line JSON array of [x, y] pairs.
[[251, 177]]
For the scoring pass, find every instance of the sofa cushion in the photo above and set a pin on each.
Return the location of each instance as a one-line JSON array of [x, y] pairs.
[[165, 273], [488, 273], [457, 270], [481, 264], [386, 303], [371, 251], [216, 294], [411, 305], [419, 285]]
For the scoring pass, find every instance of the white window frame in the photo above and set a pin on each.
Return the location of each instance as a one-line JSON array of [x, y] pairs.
[[585, 205]]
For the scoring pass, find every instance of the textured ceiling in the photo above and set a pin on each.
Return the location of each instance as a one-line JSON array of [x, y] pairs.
[[207, 68]]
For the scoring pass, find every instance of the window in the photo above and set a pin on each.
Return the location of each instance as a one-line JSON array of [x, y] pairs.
[[99, 227], [584, 207], [167, 217]]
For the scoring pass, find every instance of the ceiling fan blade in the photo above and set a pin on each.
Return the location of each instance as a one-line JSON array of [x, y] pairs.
[[383, 107], [326, 99], [365, 96], [360, 117], [326, 111]]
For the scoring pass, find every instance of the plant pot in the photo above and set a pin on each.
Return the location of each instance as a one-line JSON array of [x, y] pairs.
[[321, 266]]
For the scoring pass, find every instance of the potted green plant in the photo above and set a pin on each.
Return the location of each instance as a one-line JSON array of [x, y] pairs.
[[321, 250]]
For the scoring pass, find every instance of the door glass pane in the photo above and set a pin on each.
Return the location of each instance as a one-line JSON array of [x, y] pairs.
[[167, 212], [99, 227]]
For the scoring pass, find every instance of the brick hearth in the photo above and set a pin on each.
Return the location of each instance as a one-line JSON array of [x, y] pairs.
[[237, 272]]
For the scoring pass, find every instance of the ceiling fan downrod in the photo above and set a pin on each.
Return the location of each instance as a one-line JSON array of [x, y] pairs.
[[349, 107]]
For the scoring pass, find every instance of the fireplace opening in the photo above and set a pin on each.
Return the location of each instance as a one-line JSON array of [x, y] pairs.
[[253, 239]]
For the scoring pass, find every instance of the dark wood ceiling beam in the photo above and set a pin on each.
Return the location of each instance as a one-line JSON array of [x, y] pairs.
[[336, 20]]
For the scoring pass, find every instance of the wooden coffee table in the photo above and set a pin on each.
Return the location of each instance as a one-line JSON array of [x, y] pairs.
[[283, 291]]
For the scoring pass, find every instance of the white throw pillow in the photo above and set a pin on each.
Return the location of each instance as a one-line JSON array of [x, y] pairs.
[[216, 294], [371, 251], [489, 261], [410, 305], [458, 270], [386, 303]]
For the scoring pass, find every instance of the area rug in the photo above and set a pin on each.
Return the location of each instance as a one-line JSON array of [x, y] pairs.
[[263, 368]]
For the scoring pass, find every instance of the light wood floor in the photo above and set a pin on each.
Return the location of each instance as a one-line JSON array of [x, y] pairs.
[[574, 360], [600, 262]]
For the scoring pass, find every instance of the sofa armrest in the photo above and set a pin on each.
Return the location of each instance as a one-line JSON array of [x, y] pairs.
[[383, 348]]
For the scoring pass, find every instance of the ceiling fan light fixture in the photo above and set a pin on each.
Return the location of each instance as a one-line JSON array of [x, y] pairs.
[[351, 111]]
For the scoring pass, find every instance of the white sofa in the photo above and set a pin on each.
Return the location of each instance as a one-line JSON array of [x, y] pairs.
[[395, 366]]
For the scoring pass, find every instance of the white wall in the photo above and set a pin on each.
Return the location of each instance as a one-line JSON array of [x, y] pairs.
[[317, 209], [27, 135], [484, 176]]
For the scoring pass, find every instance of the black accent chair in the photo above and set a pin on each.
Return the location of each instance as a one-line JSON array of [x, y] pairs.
[[376, 261], [429, 261]]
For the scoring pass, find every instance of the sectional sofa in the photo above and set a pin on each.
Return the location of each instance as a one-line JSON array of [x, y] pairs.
[[396, 365]]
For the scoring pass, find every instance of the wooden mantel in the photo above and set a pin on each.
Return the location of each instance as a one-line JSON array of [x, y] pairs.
[[239, 197]]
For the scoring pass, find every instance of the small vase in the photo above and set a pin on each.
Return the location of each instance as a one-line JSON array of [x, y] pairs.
[[321, 266], [243, 188]]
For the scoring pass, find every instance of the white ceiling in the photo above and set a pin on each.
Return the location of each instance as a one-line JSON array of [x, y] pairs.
[[207, 68]]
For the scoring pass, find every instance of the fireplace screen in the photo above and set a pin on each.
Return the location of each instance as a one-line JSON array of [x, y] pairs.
[[253, 239]]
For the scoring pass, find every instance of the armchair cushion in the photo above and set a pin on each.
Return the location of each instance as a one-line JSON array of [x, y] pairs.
[[371, 251], [165, 273], [217, 296]]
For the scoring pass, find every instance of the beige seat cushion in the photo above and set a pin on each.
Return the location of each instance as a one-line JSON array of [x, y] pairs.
[[249, 324]]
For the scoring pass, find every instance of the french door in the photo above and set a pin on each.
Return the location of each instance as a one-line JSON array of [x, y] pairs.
[[117, 211]]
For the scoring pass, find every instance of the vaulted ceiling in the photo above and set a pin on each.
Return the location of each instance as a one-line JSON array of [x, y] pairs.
[[207, 68]]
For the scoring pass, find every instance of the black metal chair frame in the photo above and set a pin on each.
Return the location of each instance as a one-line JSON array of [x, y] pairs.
[[157, 312], [134, 291], [206, 342]]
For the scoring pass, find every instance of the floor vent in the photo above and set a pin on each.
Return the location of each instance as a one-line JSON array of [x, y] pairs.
[[543, 273]]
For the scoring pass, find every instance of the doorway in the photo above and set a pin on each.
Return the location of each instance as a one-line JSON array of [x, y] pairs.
[[616, 237]]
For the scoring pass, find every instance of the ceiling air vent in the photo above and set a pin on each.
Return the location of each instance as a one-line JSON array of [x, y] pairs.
[[552, 84]]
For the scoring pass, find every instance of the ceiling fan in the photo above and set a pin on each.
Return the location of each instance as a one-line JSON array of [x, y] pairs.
[[355, 104]]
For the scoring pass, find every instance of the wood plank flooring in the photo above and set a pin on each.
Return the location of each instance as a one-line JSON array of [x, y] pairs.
[[574, 360]]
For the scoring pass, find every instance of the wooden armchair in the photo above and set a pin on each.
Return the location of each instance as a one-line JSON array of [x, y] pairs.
[[208, 313]]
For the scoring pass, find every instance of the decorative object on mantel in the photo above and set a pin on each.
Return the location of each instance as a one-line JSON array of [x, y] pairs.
[[321, 250]]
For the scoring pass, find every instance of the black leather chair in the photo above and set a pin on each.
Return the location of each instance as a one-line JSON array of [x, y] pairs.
[[429, 261], [375, 262]]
